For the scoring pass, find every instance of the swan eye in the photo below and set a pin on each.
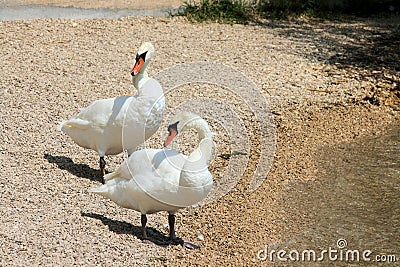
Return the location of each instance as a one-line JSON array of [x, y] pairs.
[[173, 127], [142, 56]]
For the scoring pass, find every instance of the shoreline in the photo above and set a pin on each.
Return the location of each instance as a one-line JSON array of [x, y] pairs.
[[122, 4], [29, 12]]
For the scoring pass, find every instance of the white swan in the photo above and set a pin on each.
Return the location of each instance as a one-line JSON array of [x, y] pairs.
[[153, 180], [111, 125]]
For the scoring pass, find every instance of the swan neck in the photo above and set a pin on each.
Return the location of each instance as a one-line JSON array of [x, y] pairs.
[[140, 79], [206, 143], [202, 129], [198, 160], [206, 146]]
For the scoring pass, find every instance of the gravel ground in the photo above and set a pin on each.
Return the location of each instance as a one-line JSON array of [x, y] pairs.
[[318, 86]]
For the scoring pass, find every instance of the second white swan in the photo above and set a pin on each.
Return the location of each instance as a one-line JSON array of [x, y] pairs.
[[153, 180]]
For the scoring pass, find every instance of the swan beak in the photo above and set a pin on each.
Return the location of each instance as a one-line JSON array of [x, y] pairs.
[[171, 136], [138, 65]]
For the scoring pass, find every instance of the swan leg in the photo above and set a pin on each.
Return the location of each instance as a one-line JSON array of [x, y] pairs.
[[143, 220], [171, 222], [172, 237], [102, 169]]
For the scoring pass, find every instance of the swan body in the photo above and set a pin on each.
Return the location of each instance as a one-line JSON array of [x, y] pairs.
[[153, 180], [100, 126], [112, 125]]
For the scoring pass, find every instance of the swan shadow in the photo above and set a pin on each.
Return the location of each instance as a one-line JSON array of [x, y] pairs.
[[119, 227], [79, 170]]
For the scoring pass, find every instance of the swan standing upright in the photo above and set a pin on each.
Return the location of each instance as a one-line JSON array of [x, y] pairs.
[[153, 180], [111, 125]]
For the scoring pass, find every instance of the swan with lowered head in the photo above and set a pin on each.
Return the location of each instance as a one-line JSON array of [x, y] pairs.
[[111, 125], [153, 180]]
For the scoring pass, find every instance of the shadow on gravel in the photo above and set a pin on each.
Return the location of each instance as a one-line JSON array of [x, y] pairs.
[[367, 50], [125, 228], [366, 43], [79, 170]]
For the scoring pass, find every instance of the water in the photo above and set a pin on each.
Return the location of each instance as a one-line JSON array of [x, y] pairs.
[[23, 12], [355, 205]]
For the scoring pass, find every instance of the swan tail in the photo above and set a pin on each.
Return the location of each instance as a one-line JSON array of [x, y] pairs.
[[102, 190], [61, 126], [74, 123], [110, 176]]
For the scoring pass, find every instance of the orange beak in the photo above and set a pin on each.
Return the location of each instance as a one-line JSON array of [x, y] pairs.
[[171, 136], [138, 65]]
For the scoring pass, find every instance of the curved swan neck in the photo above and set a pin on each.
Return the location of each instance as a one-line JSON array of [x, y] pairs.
[[206, 146], [197, 162], [140, 79], [200, 125]]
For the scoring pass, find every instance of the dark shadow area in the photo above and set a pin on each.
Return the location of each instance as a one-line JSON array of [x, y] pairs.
[[365, 49], [119, 227], [366, 43], [79, 170], [322, 8]]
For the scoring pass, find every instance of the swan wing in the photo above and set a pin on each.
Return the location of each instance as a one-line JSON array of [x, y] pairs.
[[106, 111], [144, 193], [148, 181], [163, 164]]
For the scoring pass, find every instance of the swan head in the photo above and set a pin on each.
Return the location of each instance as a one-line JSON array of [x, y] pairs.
[[184, 121], [143, 56]]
